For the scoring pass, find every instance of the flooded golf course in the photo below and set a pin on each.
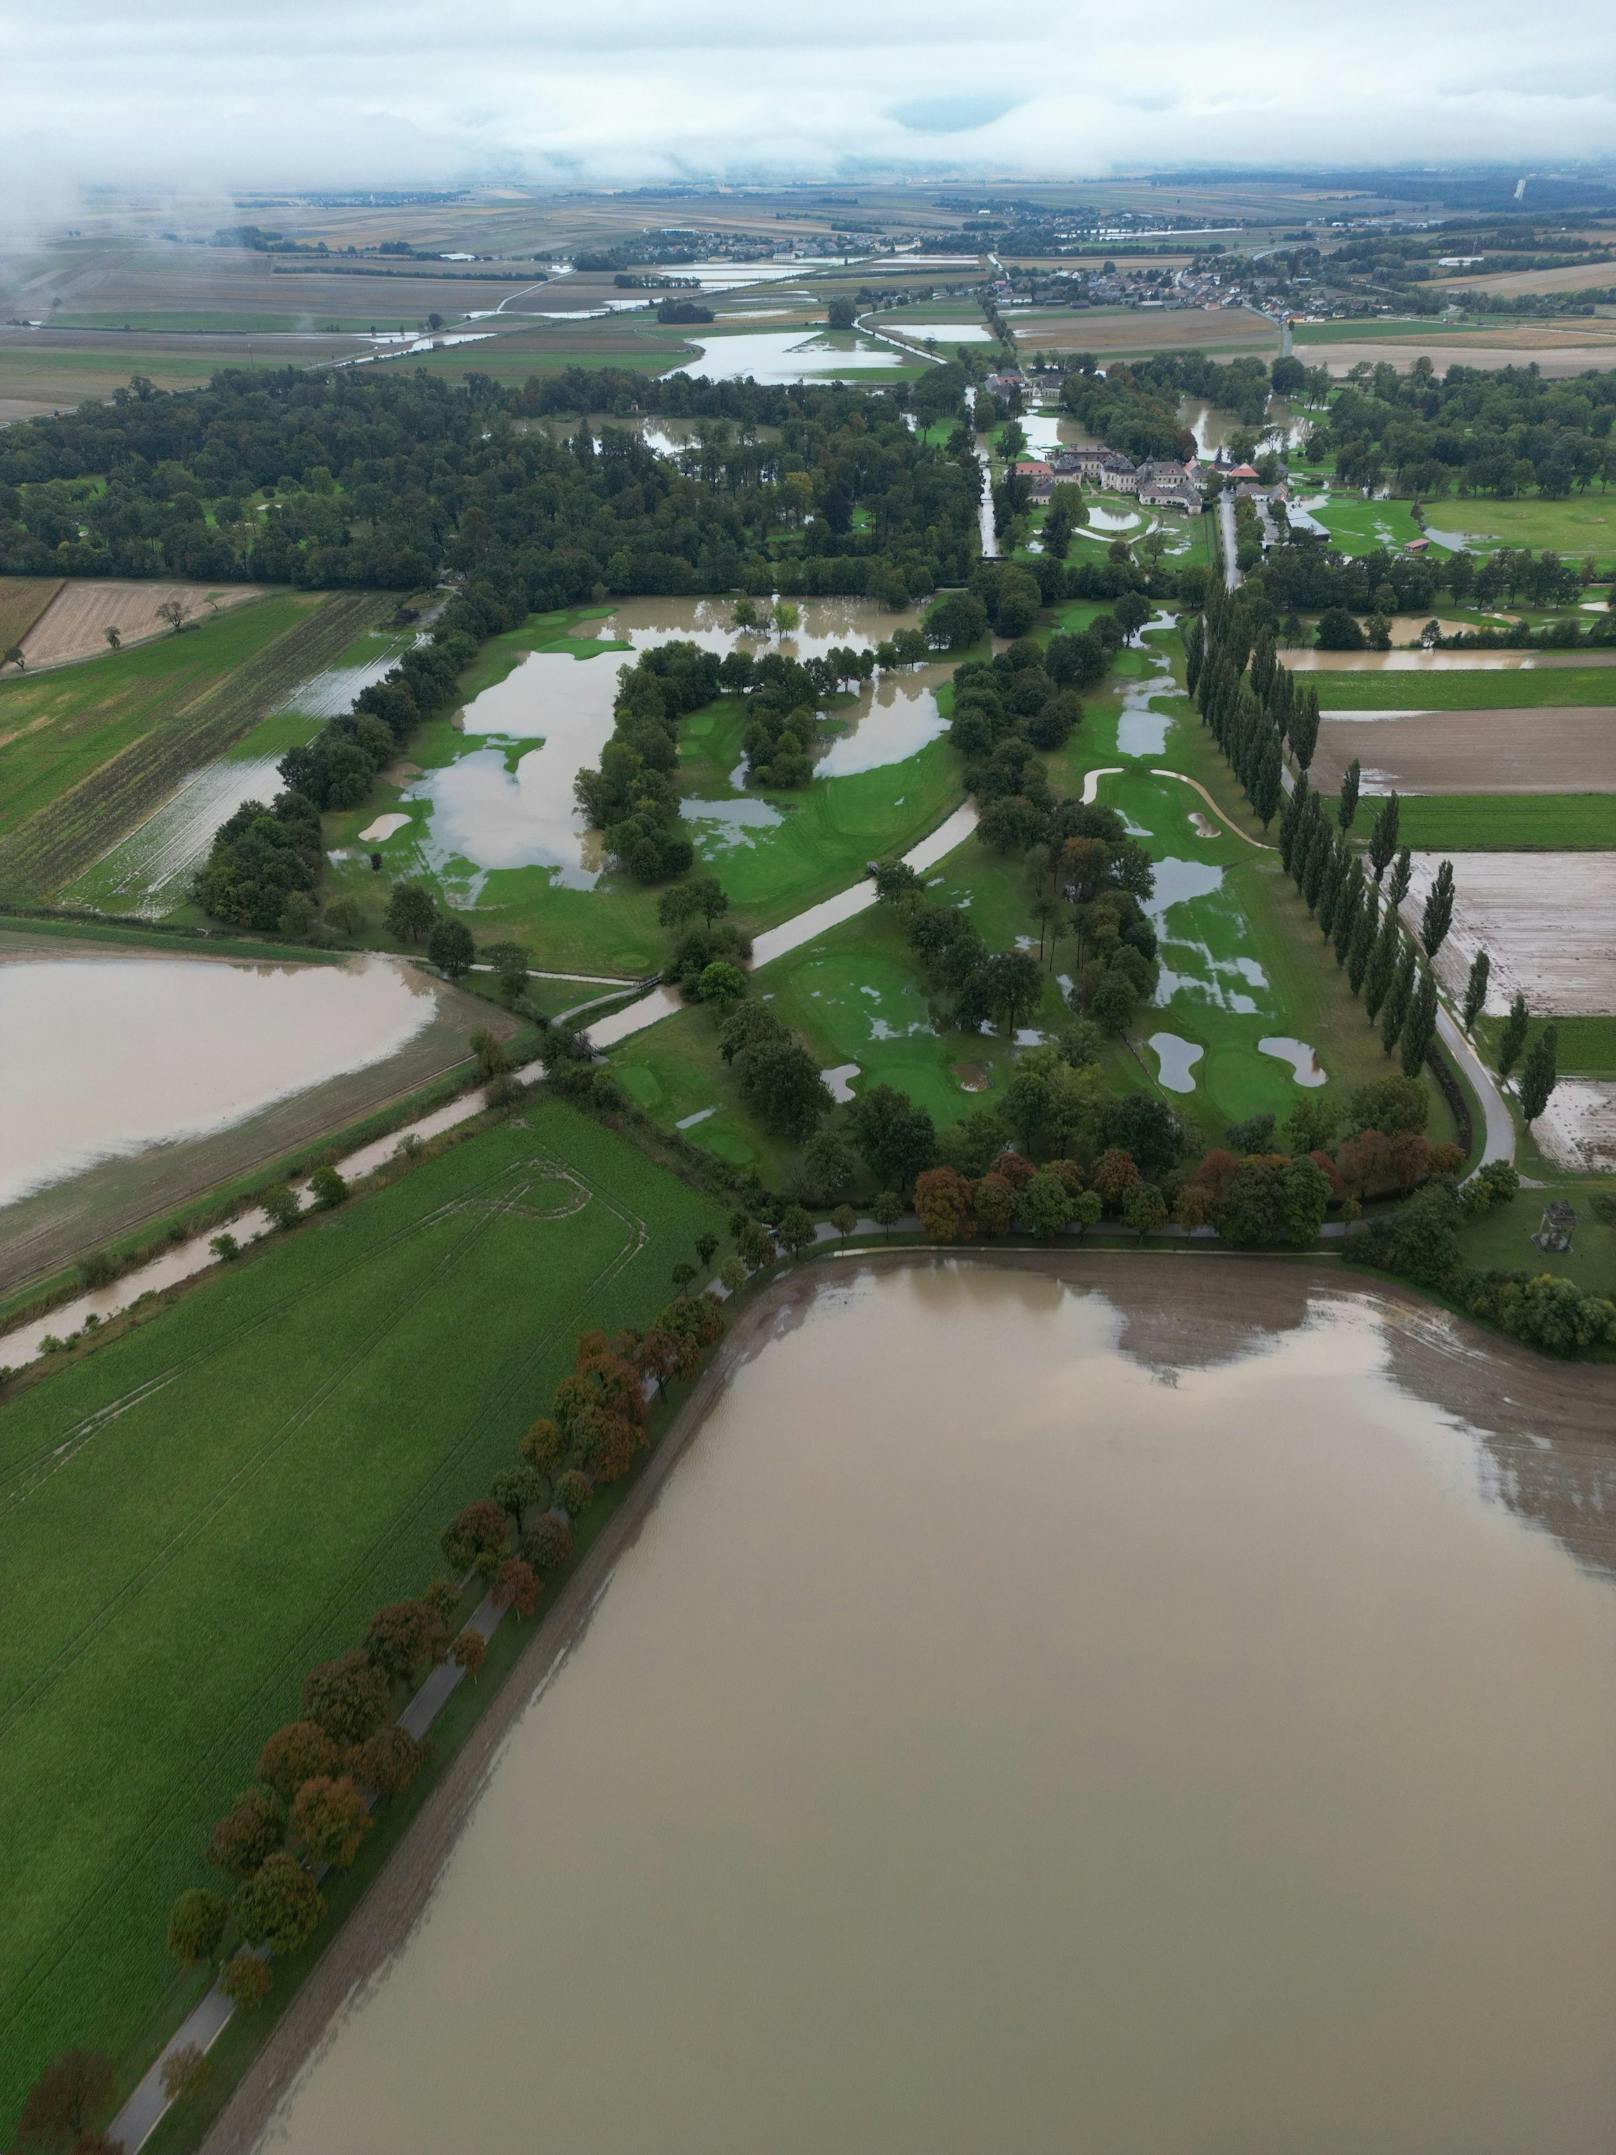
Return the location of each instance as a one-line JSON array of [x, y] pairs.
[[1152, 1706]]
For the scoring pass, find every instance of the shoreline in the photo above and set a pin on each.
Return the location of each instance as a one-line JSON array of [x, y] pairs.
[[1225, 1310]]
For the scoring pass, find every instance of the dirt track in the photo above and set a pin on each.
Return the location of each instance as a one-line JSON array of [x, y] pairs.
[[1557, 749], [1177, 1314]]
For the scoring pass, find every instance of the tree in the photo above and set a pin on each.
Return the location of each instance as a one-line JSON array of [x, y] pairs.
[[1115, 1174], [1383, 836], [279, 1906], [1399, 997], [114, 635], [1046, 1204], [1539, 1075], [1438, 915], [72, 2092], [897, 1139], [888, 1210], [246, 1979], [404, 1639], [328, 1187], [797, 1229], [1513, 1038], [516, 1586], [1144, 1209], [295, 1754], [388, 1760], [249, 1832], [475, 1538], [721, 984], [573, 1492], [1402, 876], [1419, 1027], [993, 1200], [196, 1925], [1351, 779], [330, 1818], [450, 947], [176, 612], [283, 1205], [468, 1651], [347, 1696], [15, 656], [1087, 1207], [844, 1219], [184, 2068], [1131, 611], [943, 1204], [410, 912], [1475, 994]]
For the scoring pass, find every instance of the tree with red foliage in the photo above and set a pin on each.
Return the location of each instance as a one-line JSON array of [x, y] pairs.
[[517, 1586], [279, 1905], [943, 1205], [467, 1652], [249, 1832], [387, 1761], [1115, 1174], [475, 1539], [347, 1696], [64, 2102], [330, 1818], [406, 1638], [993, 1200], [295, 1754]]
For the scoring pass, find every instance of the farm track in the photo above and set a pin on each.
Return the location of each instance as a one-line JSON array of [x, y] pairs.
[[75, 830]]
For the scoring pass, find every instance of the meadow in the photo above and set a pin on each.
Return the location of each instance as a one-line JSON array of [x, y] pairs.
[[200, 1509], [1462, 688], [1507, 822], [87, 751]]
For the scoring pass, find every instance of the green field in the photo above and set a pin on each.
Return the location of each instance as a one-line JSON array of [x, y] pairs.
[[1581, 524], [1359, 526], [200, 1509], [1514, 688], [1508, 822], [1586, 1047], [87, 751], [1501, 1240]]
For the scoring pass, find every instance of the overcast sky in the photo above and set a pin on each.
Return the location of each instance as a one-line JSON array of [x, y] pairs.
[[211, 94]]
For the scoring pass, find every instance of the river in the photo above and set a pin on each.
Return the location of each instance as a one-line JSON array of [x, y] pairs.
[[1020, 1725]]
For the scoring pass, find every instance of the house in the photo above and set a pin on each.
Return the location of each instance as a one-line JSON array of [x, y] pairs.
[[1184, 496], [1237, 472], [1416, 546], [1038, 476], [1010, 383]]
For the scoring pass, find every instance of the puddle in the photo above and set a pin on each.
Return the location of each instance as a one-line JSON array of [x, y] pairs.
[[383, 827], [939, 332], [128, 1053], [1303, 1060], [689, 1122], [726, 823], [839, 1078], [1177, 1058], [1177, 883]]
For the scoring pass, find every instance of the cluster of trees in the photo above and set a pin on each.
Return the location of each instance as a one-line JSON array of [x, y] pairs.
[[1497, 431], [632, 795], [1422, 1242]]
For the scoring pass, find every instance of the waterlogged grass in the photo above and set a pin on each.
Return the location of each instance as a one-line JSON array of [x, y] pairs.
[[1583, 524], [1508, 822], [1357, 526], [291, 1437], [1512, 688]]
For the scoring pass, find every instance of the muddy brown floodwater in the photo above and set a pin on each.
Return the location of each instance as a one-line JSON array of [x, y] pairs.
[[1155, 1719]]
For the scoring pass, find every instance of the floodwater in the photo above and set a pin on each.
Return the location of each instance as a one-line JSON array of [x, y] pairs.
[[126, 1053], [500, 811], [779, 356], [940, 332], [1304, 1060], [1177, 1058], [894, 716], [146, 872], [1039, 1718], [1407, 660], [822, 625]]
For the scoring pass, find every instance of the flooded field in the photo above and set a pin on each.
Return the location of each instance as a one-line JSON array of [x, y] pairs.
[[150, 1078], [148, 872], [1099, 1759], [777, 356], [1411, 661], [822, 625]]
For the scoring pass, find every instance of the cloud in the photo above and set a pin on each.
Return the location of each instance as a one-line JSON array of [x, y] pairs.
[[194, 95]]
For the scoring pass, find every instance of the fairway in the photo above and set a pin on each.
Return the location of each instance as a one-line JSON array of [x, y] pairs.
[[203, 1508], [88, 751]]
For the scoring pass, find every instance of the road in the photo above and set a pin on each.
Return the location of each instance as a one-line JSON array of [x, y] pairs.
[[1231, 572]]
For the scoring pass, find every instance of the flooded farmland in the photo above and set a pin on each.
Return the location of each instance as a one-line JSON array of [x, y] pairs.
[[821, 625], [780, 356], [149, 1078], [1071, 1746]]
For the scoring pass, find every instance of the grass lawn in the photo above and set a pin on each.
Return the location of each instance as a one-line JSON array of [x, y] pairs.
[[1357, 526], [1501, 1240], [1508, 822], [1514, 688], [202, 1507], [1580, 524], [87, 751], [1585, 1046]]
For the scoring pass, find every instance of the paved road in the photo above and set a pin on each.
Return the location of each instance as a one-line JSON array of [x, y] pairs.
[[1231, 572]]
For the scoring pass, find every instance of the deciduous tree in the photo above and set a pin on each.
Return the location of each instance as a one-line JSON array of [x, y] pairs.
[[295, 1754], [70, 2095], [279, 1905], [330, 1818], [196, 1924]]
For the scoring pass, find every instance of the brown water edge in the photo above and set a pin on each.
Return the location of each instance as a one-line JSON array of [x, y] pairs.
[[1175, 1315], [114, 1196]]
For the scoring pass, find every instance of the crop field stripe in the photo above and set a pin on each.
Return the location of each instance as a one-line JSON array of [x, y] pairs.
[[70, 833], [141, 1842]]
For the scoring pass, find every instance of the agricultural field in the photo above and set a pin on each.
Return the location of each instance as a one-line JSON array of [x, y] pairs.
[[1451, 685], [75, 623], [22, 600], [1557, 350], [1548, 921], [88, 752], [204, 1507], [1510, 752], [1573, 277], [1132, 329], [1508, 822], [50, 370], [1582, 525]]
